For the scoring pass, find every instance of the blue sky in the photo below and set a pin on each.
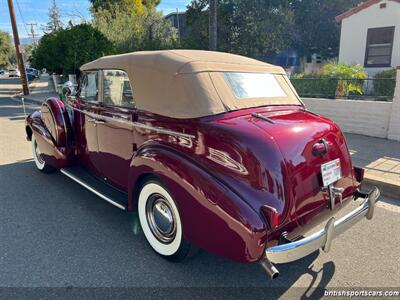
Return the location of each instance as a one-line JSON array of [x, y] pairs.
[[36, 11]]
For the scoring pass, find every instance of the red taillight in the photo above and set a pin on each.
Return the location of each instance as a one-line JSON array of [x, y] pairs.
[[359, 173], [271, 214]]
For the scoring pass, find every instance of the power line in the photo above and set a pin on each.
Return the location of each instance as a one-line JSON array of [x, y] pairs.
[[22, 17]]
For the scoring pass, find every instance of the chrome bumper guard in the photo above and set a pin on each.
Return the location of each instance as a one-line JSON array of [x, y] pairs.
[[323, 238]]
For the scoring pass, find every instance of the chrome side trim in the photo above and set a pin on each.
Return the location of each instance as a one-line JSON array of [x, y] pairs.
[[136, 124], [104, 197], [323, 238], [159, 130]]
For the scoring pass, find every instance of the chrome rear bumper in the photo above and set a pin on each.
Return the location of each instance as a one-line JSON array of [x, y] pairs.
[[323, 238]]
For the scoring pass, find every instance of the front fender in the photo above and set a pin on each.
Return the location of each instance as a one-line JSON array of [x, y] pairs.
[[55, 156], [214, 218]]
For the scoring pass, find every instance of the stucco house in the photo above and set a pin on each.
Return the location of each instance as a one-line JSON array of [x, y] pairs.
[[370, 35]]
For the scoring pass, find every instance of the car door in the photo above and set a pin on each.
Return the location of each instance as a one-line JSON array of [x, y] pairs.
[[115, 135], [90, 106]]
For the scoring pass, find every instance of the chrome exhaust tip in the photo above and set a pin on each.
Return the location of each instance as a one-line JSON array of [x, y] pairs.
[[271, 270]]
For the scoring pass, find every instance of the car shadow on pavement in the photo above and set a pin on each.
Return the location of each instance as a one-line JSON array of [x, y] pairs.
[[13, 110], [54, 232]]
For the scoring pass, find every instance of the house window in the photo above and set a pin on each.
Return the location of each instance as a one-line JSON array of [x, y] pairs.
[[379, 47]]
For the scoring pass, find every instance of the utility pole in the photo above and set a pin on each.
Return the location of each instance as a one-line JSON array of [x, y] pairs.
[[32, 34], [20, 60], [213, 25]]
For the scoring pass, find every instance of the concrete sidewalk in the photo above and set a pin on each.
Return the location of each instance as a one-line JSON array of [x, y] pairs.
[[40, 90], [381, 160]]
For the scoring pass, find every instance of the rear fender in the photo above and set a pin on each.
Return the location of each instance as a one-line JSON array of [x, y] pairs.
[[213, 217]]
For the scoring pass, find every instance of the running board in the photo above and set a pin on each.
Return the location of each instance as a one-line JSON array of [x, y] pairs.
[[96, 186]]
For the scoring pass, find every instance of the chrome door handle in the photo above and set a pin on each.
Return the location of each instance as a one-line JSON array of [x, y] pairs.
[[91, 120]]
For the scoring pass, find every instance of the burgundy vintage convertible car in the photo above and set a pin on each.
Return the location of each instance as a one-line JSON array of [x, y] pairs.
[[212, 150]]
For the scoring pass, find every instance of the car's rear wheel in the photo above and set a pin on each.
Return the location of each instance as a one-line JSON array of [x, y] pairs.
[[161, 223], [40, 163]]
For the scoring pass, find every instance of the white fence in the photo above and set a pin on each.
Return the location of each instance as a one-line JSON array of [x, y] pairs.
[[372, 118]]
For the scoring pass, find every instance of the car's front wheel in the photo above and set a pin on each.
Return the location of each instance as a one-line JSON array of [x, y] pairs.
[[161, 222], [40, 163]]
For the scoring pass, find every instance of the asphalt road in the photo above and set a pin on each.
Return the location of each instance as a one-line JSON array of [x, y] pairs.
[[54, 233]]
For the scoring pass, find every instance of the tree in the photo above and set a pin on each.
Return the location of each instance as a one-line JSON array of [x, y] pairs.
[[7, 51], [316, 28], [121, 27], [157, 32], [55, 22], [129, 5], [197, 25], [260, 28], [27, 52], [213, 26], [136, 29], [65, 50], [255, 28], [151, 3]]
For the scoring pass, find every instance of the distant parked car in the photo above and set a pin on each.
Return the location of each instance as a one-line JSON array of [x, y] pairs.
[[33, 72], [2, 72], [14, 73], [30, 76]]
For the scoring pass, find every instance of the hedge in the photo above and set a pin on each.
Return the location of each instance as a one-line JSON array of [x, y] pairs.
[[385, 83], [315, 86]]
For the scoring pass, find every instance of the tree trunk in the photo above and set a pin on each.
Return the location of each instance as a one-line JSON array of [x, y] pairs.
[[213, 25]]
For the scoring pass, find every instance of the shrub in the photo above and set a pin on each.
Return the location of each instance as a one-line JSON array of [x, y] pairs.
[[65, 50], [315, 85], [351, 78], [336, 80], [385, 83]]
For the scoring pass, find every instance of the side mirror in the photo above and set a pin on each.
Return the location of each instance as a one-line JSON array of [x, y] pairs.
[[69, 89]]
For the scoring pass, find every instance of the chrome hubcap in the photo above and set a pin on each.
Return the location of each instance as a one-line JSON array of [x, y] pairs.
[[161, 218], [38, 154]]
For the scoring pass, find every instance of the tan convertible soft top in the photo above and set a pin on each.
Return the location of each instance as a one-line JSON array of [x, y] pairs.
[[190, 83]]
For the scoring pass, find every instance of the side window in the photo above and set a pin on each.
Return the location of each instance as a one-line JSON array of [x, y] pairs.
[[89, 86], [117, 88]]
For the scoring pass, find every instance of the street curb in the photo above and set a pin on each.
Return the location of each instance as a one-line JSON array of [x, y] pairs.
[[387, 189]]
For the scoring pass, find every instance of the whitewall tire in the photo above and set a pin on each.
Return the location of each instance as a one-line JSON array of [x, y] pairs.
[[160, 220], [40, 163]]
